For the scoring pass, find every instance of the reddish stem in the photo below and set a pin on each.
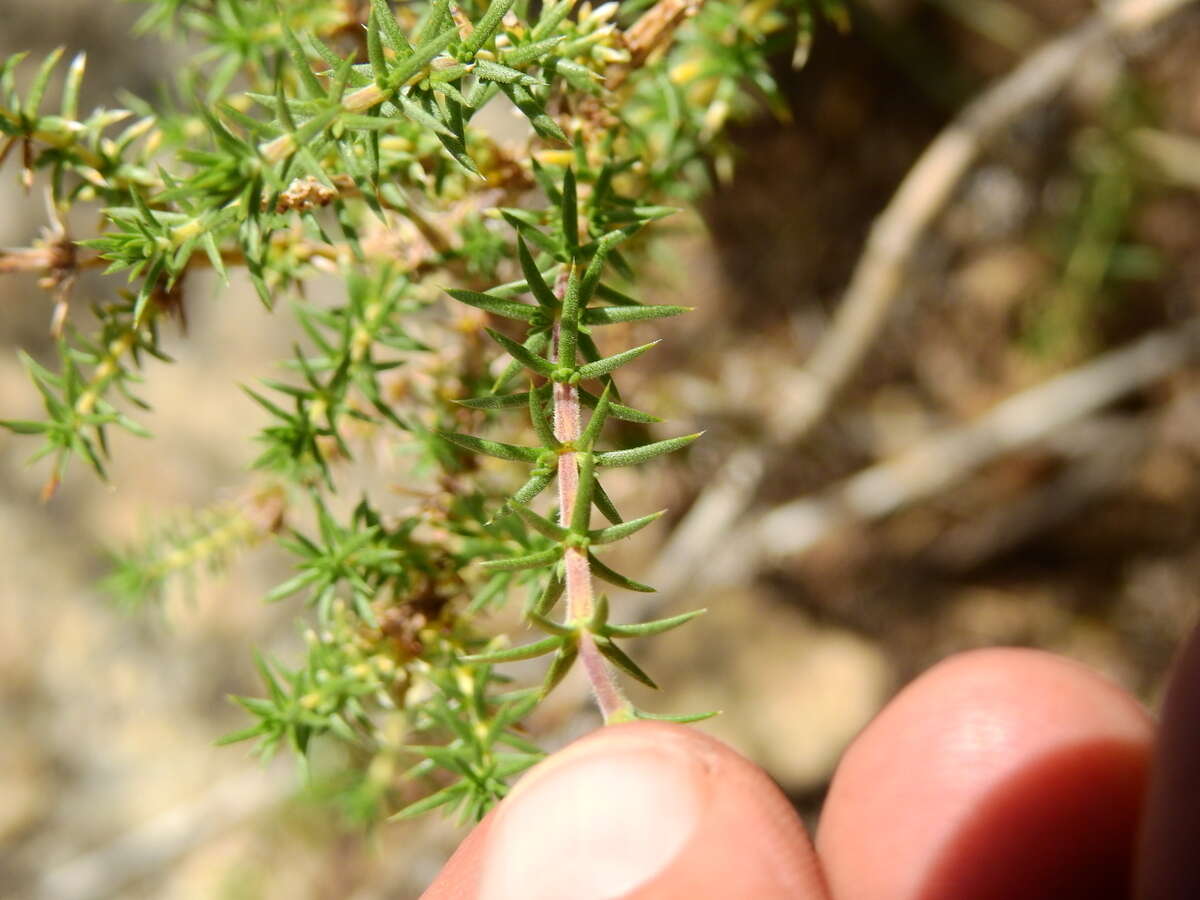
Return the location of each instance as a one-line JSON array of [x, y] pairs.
[[568, 426]]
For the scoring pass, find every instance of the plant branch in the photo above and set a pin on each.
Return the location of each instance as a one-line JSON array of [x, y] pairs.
[[64, 139], [44, 259], [612, 702], [568, 427]]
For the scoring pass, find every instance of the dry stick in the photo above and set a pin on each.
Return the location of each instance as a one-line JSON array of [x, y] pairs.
[[1099, 453], [153, 846], [875, 283], [654, 29], [568, 426], [948, 456]]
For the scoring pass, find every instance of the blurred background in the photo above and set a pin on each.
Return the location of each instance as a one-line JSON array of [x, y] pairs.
[[913, 522]]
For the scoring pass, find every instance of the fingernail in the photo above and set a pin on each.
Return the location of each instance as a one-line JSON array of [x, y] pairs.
[[594, 823]]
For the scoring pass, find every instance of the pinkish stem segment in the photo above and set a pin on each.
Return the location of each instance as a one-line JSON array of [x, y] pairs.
[[568, 426]]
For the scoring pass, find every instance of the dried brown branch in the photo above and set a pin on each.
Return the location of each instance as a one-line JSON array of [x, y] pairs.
[[1099, 454], [947, 457], [145, 850], [808, 396], [654, 29]]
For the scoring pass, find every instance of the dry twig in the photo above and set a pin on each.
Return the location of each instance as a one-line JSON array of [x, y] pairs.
[[653, 30], [946, 458], [151, 847], [879, 274]]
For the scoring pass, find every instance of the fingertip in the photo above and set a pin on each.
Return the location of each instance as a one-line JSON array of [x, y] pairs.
[[749, 841], [999, 773], [459, 877], [644, 811]]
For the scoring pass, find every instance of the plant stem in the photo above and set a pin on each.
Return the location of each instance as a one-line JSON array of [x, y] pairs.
[[614, 706], [568, 427]]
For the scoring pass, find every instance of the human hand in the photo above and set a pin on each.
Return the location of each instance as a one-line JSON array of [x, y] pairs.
[[1003, 773]]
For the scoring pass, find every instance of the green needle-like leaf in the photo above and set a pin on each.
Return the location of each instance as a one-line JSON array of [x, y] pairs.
[[599, 615], [618, 658], [493, 448], [535, 343], [529, 561], [491, 71], [635, 455], [299, 58], [540, 524], [581, 514], [612, 315], [522, 354], [534, 110], [618, 410], [526, 227], [496, 401], [375, 50], [560, 666], [685, 719], [568, 333], [604, 503], [549, 595], [436, 19], [433, 123], [601, 571], [658, 626], [486, 26], [509, 309], [514, 654], [615, 533], [570, 211], [552, 15], [527, 53], [455, 146], [591, 277], [524, 495], [391, 29], [549, 626], [20, 426], [612, 363], [74, 80], [281, 108], [580, 77], [451, 794], [533, 277], [542, 426], [594, 426], [422, 56], [33, 99]]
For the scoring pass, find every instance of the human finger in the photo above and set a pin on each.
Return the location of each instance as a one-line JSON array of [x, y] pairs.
[[997, 774], [644, 811]]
